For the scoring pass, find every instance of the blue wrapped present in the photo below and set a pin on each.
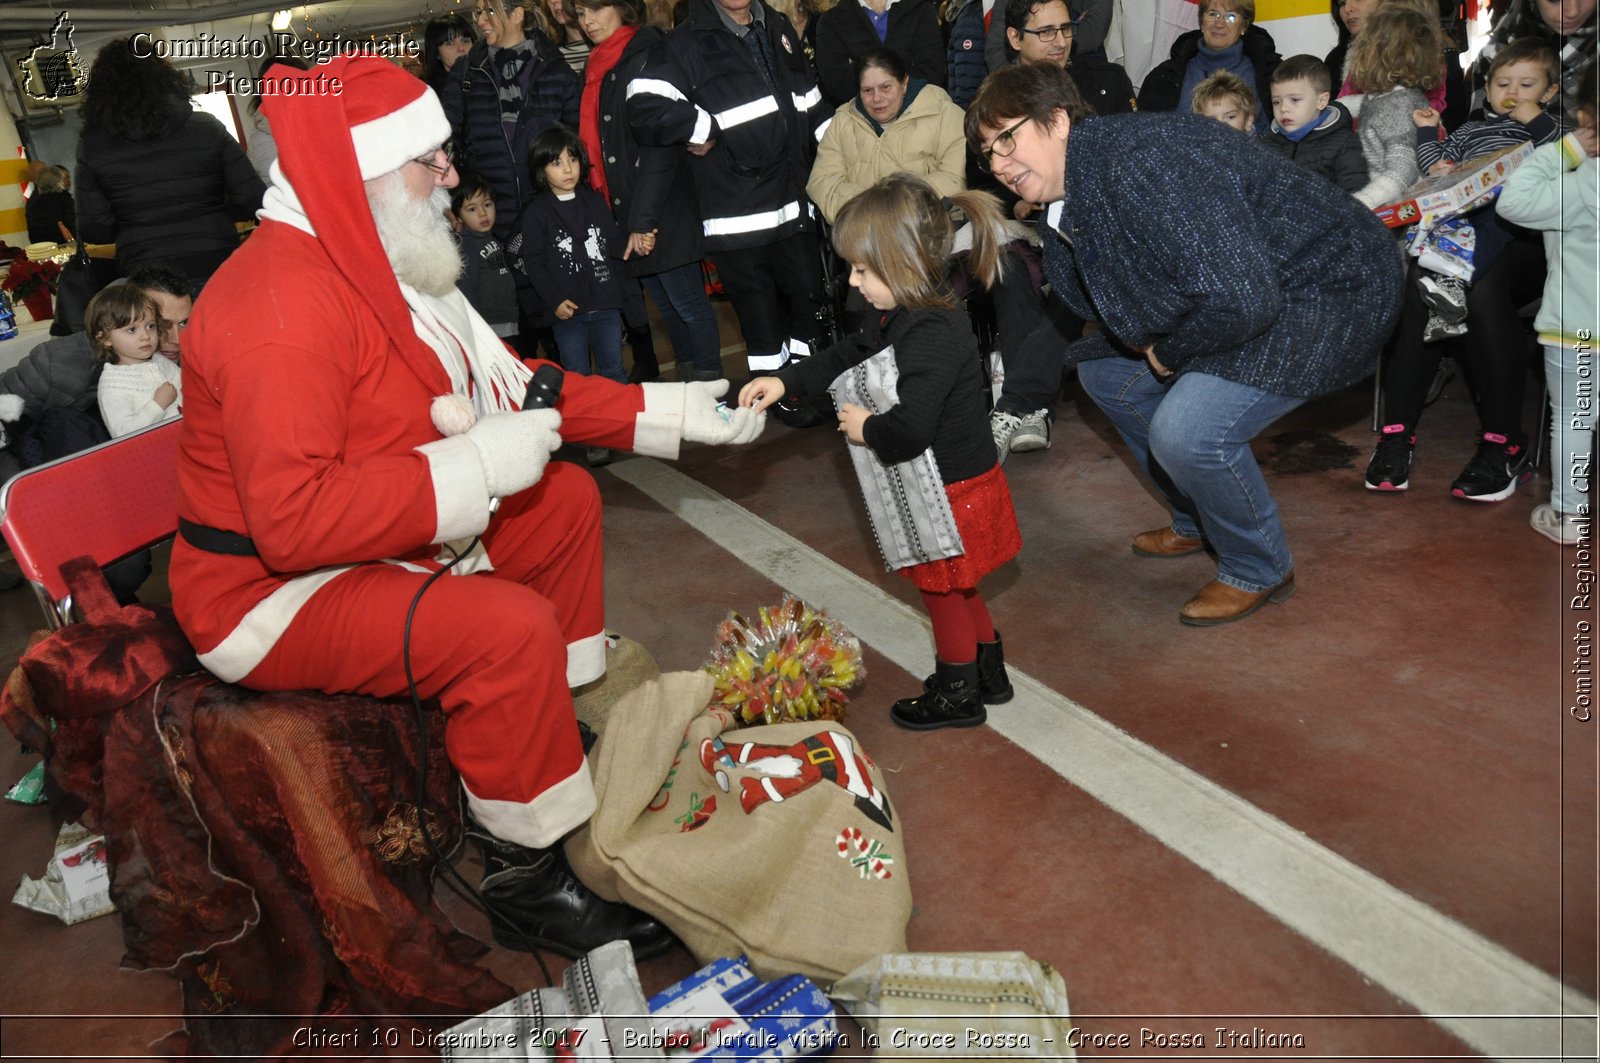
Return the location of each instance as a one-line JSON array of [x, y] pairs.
[[723, 1011]]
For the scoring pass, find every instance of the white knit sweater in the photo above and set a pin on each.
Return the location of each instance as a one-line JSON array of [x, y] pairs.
[[127, 394]]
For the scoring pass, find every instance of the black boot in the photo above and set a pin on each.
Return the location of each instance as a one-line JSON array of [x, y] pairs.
[[536, 902], [953, 701], [994, 685], [642, 342]]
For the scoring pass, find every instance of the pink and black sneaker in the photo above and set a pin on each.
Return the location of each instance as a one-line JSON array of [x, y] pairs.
[[1390, 467], [1495, 470]]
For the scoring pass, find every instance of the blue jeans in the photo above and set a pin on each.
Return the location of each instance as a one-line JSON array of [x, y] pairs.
[[599, 331], [1192, 438], [1566, 368], [680, 295]]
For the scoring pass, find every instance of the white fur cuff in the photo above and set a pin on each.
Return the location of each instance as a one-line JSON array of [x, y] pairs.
[[658, 430]]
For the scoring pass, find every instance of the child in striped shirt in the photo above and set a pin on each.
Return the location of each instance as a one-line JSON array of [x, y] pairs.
[[1522, 80]]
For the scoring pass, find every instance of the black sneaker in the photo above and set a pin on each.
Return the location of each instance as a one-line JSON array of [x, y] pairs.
[[1494, 471], [1390, 467]]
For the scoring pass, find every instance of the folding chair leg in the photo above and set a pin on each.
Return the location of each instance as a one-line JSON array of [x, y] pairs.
[[1542, 427], [1377, 395]]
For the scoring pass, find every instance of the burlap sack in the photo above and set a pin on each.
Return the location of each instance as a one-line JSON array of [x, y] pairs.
[[777, 841]]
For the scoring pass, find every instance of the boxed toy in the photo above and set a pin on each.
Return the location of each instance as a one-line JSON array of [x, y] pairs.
[[723, 1011], [1471, 184]]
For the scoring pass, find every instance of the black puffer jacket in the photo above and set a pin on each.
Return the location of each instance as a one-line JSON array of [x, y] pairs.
[[471, 99], [649, 183], [173, 198], [62, 373], [1163, 86], [1332, 149]]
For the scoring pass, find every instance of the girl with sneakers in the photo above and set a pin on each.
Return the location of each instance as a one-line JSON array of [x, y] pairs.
[[897, 238], [1558, 191]]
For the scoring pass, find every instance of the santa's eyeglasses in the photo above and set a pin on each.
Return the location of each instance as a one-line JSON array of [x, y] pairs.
[[431, 159]]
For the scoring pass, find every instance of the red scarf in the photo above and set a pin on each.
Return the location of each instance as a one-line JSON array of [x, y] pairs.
[[606, 55]]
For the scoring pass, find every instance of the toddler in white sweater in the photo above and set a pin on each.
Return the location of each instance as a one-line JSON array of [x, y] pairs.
[[138, 387]]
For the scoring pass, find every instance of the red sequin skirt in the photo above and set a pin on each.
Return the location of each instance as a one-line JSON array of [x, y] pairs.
[[988, 526]]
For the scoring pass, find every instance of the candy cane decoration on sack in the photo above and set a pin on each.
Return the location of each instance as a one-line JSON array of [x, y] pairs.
[[870, 858]]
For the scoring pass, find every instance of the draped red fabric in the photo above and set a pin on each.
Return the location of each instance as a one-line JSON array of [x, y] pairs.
[[265, 848]]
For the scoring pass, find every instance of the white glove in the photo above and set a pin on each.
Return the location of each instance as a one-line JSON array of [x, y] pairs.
[[514, 447], [705, 422]]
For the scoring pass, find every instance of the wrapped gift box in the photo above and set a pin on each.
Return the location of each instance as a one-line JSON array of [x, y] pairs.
[[597, 1012], [723, 1011], [1471, 184]]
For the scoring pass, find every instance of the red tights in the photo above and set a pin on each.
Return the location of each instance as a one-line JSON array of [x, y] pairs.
[[960, 622]]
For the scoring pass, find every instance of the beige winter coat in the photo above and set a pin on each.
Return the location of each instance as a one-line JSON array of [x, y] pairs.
[[927, 140]]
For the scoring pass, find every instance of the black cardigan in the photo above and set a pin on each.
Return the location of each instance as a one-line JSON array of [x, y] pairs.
[[941, 390]]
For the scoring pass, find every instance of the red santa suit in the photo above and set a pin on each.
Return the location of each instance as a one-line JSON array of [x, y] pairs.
[[310, 434]]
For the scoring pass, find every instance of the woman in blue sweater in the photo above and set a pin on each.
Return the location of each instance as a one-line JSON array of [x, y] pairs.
[[1230, 291]]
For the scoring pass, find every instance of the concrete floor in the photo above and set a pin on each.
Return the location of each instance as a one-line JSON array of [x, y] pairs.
[[1363, 817]]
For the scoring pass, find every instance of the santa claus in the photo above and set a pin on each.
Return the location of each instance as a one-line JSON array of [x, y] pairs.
[[351, 426]]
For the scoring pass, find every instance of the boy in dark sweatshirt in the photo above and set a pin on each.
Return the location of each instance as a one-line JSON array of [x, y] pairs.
[[1311, 131], [486, 280]]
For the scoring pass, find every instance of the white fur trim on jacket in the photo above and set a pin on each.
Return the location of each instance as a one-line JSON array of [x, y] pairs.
[[586, 659], [542, 822], [658, 430], [248, 644], [460, 492]]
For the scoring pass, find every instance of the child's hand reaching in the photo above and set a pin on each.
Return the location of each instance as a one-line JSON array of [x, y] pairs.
[[165, 395], [851, 418], [566, 309], [1525, 111], [1441, 167], [761, 392], [1423, 117]]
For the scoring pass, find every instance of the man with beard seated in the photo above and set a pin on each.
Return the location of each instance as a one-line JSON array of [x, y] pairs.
[[355, 425]]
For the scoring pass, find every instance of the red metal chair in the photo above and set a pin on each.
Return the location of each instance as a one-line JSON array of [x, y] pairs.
[[107, 502]]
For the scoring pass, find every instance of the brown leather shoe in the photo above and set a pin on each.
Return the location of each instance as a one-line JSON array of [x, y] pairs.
[[1219, 603], [1164, 542]]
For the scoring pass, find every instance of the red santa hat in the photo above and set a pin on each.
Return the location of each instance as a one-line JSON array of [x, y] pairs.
[[338, 125]]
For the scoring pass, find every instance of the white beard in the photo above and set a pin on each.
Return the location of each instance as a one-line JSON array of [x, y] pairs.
[[415, 234]]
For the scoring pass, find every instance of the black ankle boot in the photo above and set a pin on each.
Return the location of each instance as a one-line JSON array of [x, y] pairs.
[[953, 701], [536, 902], [994, 685]]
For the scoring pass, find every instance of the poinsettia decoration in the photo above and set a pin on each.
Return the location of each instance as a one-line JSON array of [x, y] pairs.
[[32, 283]]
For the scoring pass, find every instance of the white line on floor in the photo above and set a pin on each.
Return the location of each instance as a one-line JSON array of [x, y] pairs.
[[1491, 999]]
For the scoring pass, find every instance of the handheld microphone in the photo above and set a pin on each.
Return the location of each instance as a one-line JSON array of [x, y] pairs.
[[544, 388]]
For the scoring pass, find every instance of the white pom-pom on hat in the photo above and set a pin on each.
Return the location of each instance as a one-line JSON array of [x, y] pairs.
[[452, 414]]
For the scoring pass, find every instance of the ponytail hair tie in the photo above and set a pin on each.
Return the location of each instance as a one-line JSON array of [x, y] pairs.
[[947, 203]]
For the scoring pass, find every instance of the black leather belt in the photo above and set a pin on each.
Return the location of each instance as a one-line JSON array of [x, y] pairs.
[[215, 540]]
